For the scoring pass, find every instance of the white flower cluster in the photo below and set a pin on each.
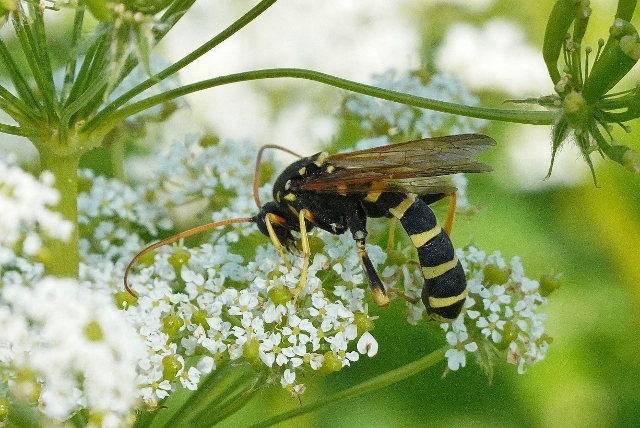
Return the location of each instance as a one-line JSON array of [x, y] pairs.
[[501, 315], [220, 174], [68, 347], [25, 203], [220, 310], [62, 345], [110, 200], [203, 308], [380, 117]]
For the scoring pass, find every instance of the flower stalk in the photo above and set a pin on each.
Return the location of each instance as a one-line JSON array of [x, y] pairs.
[[105, 120], [376, 383], [65, 255]]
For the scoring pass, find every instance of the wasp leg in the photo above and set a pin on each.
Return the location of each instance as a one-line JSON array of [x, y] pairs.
[[306, 250], [448, 224], [270, 217], [357, 223], [378, 293]]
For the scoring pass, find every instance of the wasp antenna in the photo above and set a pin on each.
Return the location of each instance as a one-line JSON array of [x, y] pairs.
[[256, 175], [174, 238]]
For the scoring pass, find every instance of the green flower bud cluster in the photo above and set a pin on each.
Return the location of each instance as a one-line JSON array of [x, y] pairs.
[[587, 108]]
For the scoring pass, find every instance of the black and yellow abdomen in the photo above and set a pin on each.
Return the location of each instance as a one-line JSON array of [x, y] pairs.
[[445, 284]]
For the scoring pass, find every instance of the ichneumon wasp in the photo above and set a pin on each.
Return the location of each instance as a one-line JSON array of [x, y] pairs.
[[337, 193]]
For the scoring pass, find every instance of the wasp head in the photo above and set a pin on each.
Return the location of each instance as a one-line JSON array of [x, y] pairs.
[[282, 223]]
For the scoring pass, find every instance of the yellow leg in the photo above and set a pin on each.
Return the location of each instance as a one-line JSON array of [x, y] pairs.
[[448, 224], [274, 238], [306, 250]]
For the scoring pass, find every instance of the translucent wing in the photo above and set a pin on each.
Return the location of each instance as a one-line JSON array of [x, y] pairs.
[[415, 166]]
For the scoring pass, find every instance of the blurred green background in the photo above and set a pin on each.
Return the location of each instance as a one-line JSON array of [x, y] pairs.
[[591, 376]]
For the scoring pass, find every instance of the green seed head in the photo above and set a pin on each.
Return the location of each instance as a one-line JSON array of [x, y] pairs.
[[495, 275], [363, 322], [331, 363], [171, 366], [279, 294]]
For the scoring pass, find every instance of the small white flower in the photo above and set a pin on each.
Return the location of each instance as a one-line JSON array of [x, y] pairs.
[[288, 378], [457, 354], [269, 349], [490, 325], [315, 361], [206, 365], [494, 297], [367, 344], [25, 205]]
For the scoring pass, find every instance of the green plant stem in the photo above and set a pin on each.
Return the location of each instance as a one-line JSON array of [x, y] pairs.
[[70, 68], [21, 131], [171, 16], [73, 107], [117, 156], [216, 388], [32, 43], [625, 9], [94, 57], [20, 84], [224, 404], [15, 107], [44, 61], [206, 47], [376, 383], [64, 255], [103, 120], [560, 19]]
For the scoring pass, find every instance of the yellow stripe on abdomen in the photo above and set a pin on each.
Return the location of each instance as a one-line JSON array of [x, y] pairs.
[[443, 302], [419, 239], [399, 210], [430, 272]]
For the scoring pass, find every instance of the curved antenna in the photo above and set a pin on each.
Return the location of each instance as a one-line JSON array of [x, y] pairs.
[[256, 174], [174, 238]]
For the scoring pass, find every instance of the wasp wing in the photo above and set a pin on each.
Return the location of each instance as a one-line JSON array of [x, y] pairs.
[[415, 166]]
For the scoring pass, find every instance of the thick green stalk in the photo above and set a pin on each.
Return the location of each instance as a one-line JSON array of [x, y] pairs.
[[65, 256], [376, 383]]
